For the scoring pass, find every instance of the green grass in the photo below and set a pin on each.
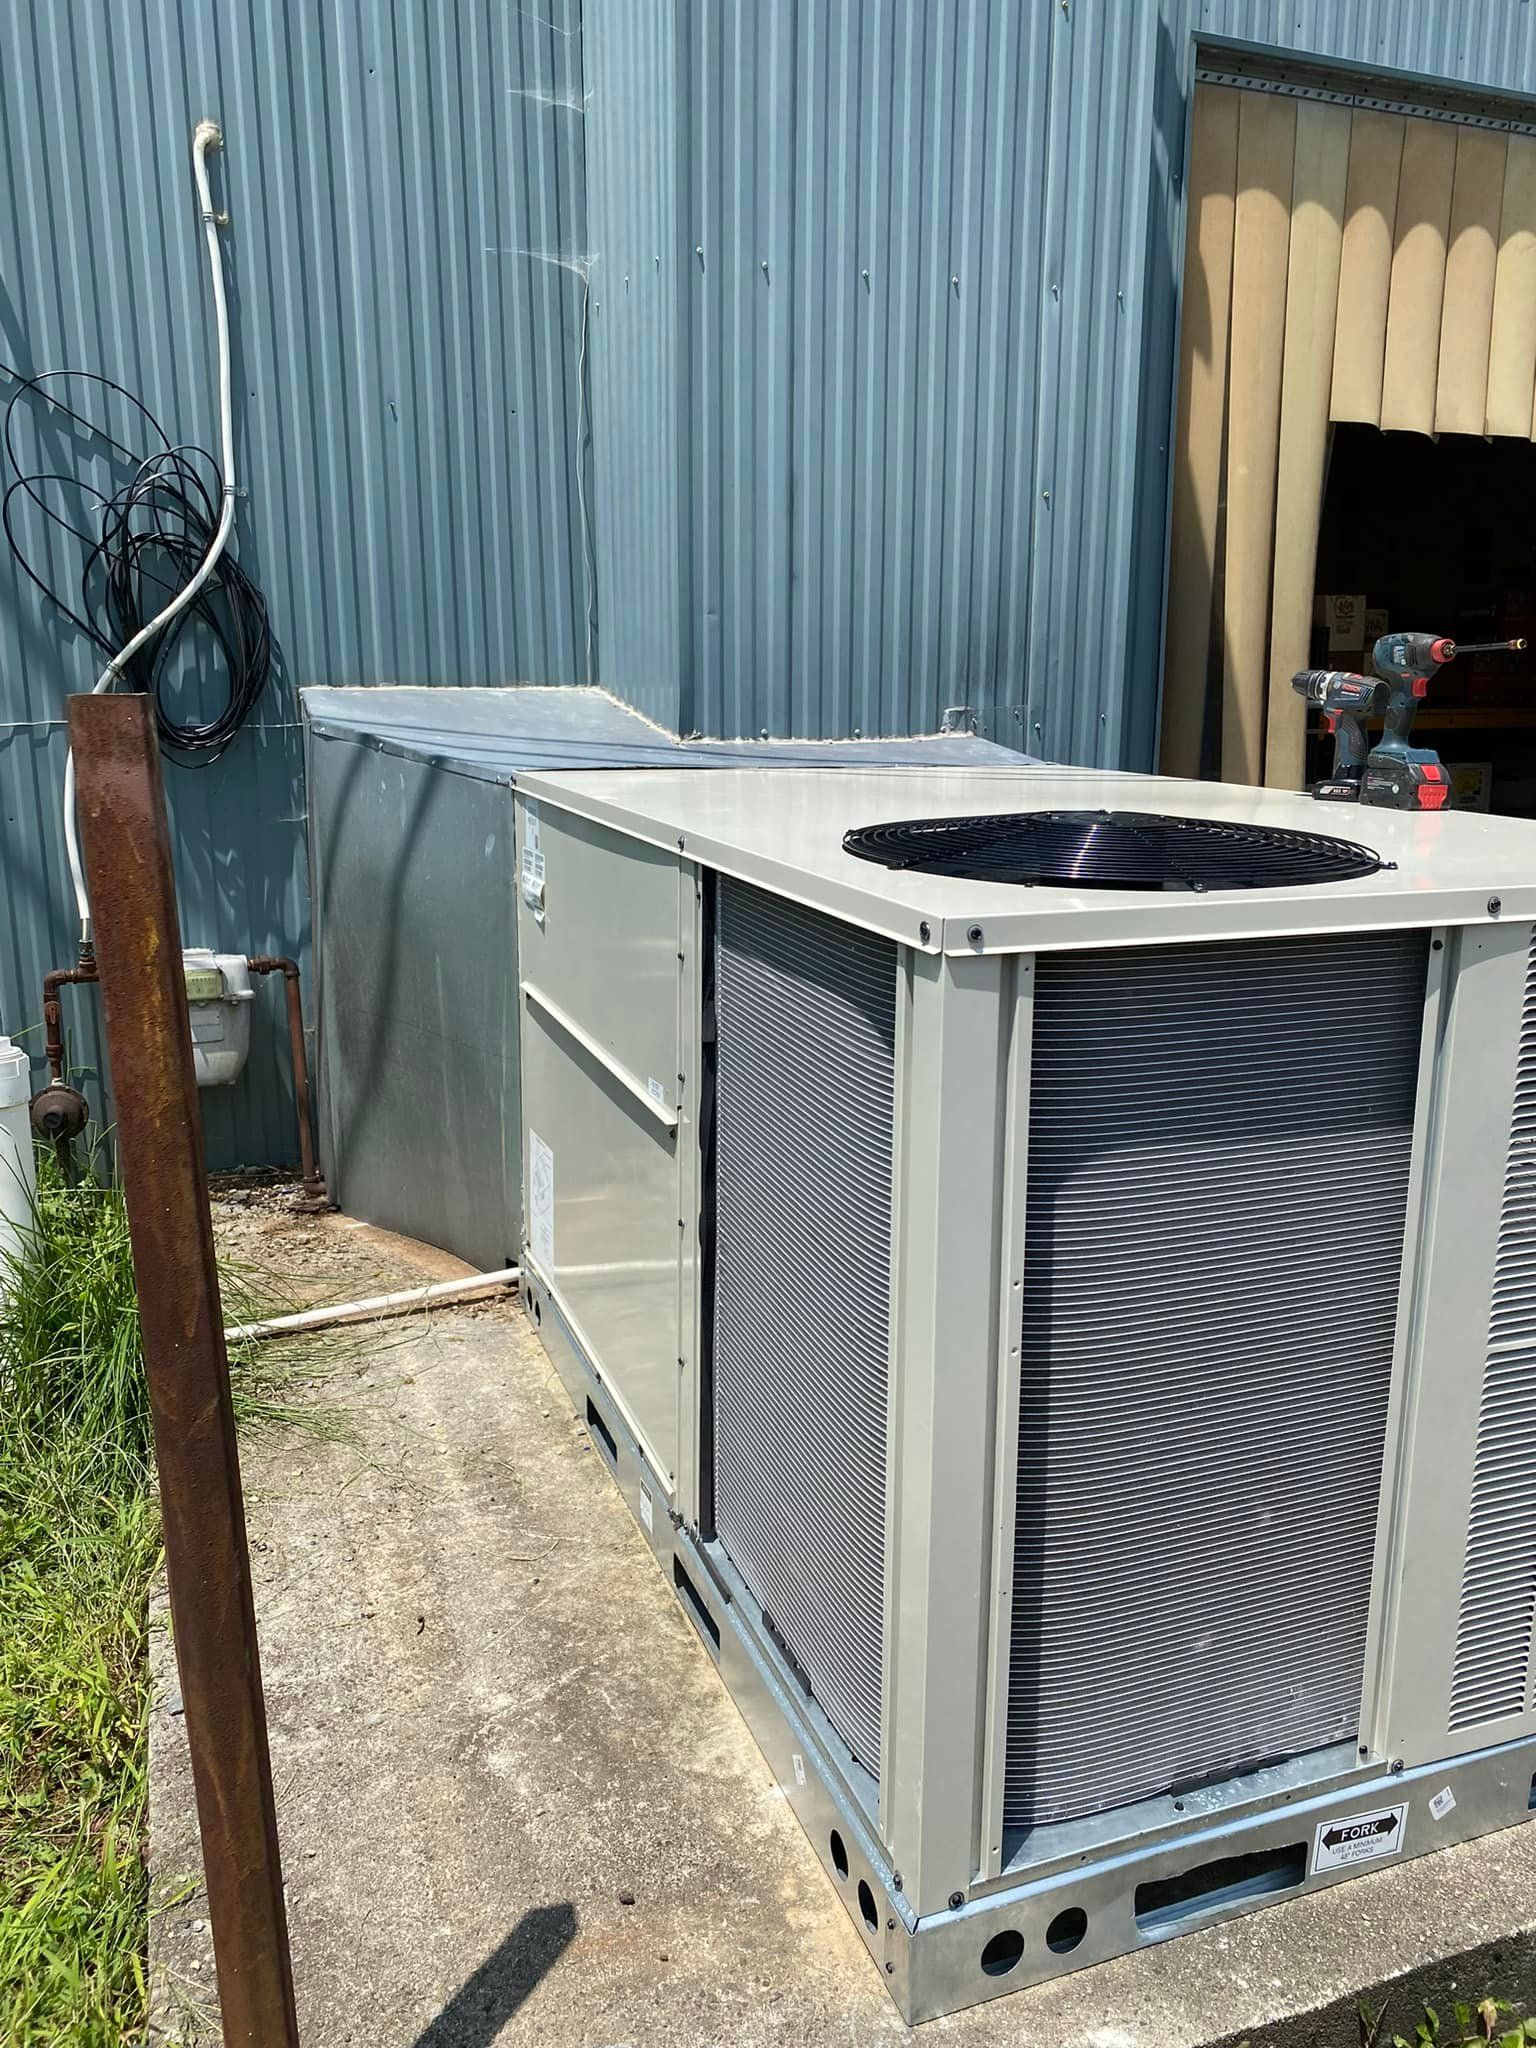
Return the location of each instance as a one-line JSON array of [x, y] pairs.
[[79, 1546], [1491, 2024]]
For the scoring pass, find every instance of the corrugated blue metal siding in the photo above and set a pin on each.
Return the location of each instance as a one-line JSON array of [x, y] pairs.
[[407, 260], [920, 459], [875, 315], [629, 62]]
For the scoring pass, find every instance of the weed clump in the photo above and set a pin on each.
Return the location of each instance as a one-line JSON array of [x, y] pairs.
[[79, 1548]]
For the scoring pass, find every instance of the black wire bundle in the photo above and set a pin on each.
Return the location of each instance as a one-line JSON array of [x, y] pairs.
[[154, 532]]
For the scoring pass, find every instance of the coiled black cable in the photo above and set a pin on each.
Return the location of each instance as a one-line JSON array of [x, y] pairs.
[[154, 533]]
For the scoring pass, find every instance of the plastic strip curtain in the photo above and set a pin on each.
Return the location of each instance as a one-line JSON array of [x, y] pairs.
[[1340, 266]]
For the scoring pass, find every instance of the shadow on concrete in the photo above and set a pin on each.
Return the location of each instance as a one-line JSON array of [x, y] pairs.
[[508, 1977]]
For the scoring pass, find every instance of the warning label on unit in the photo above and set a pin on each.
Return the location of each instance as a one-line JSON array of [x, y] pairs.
[[1360, 1838], [541, 1202], [532, 870]]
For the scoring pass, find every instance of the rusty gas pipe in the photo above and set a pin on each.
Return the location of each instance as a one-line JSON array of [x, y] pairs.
[[59, 1112], [271, 963]]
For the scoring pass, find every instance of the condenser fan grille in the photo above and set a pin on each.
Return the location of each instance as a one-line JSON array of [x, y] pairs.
[[1111, 850]]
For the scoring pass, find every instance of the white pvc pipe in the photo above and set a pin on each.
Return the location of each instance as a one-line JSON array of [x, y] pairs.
[[376, 1305], [205, 136], [18, 1184]]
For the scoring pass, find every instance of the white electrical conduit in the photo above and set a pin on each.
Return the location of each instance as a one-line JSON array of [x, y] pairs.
[[377, 1305], [205, 136]]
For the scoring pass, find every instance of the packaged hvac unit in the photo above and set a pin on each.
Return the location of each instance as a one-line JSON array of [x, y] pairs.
[[1051, 1260]]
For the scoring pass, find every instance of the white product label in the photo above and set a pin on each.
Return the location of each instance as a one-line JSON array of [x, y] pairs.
[[799, 1763], [1358, 1838], [647, 1508], [541, 1202], [1443, 1802], [533, 880], [656, 1092], [530, 827]]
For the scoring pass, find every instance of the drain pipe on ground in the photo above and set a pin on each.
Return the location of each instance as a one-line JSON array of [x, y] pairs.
[[399, 1304]]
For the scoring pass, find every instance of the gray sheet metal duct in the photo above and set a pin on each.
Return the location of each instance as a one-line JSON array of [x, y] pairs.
[[416, 940]]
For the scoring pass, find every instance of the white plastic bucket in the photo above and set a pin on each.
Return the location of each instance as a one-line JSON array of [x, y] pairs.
[[17, 1177]]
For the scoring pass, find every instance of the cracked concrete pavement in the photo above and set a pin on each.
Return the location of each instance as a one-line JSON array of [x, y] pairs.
[[517, 1807]]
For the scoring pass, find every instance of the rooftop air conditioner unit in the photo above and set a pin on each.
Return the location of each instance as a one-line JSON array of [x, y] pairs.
[[1051, 1259]]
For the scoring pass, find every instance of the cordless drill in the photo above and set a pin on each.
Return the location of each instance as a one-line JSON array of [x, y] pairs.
[[1393, 773], [1345, 701]]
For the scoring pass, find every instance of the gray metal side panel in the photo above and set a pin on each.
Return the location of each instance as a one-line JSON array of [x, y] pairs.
[[1495, 1669], [805, 1084], [418, 1065], [1212, 1254]]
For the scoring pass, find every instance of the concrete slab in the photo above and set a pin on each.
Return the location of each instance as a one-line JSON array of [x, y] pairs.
[[517, 1807]]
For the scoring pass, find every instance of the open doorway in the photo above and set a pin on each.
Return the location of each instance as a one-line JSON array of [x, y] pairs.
[[1437, 535], [1357, 361]]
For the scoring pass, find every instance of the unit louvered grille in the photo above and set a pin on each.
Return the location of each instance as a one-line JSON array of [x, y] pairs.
[[1493, 1676], [805, 1083], [1213, 1245]]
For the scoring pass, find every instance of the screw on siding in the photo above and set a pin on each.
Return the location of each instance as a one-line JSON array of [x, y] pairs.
[[865, 275], [1494, 906], [762, 736], [1046, 496], [765, 267], [896, 1879], [890, 1969], [923, 932], [1055, 291], [1435, 946], [955, 285], [1038, 729], [974, 935], [679, 845], [956, 1901], [890, 1926], [1397, 1766], [699, 252]]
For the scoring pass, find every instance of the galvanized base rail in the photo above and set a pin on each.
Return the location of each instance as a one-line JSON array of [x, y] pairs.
[[1031, 1925]]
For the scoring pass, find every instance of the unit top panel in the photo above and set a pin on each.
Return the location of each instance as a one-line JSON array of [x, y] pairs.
[[783, 829]]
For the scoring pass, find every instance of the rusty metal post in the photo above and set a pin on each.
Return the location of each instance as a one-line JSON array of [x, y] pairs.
[[160, 1144]]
